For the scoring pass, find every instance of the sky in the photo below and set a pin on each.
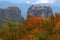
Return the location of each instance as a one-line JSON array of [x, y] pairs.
[[32, 1], [41, 1], [14, 1]]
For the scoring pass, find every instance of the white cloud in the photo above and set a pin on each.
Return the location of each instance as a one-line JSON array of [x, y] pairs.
[[30, 2], [41, 1]]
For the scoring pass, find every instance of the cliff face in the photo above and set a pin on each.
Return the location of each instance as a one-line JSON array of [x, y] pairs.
[[43, 11], [12, 13]]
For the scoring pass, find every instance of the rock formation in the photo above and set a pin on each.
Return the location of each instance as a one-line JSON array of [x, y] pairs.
[[42, 11], [12, 13]]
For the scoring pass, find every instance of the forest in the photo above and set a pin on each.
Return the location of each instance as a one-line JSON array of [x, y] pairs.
[[32, 28]]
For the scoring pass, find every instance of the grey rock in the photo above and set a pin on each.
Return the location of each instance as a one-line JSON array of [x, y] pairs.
[[12, 13], [42, 11]]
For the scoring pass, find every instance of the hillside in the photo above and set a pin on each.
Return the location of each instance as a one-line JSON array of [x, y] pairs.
[[12, 14]]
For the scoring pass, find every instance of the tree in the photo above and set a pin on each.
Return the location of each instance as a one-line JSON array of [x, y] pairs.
[[9, 31]]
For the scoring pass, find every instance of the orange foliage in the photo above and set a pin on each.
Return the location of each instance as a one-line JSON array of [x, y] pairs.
[[57, 27], [32, 21], [56, 19]]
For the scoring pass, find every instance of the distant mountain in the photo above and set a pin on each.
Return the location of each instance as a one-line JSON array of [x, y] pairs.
[[24, 6], [11, 13]]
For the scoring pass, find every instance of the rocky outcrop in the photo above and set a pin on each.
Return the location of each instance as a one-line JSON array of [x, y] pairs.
[[42, 11], [11, 13]]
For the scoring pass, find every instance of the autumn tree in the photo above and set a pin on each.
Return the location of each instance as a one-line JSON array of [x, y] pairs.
[[34, 24], [9, 31]]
